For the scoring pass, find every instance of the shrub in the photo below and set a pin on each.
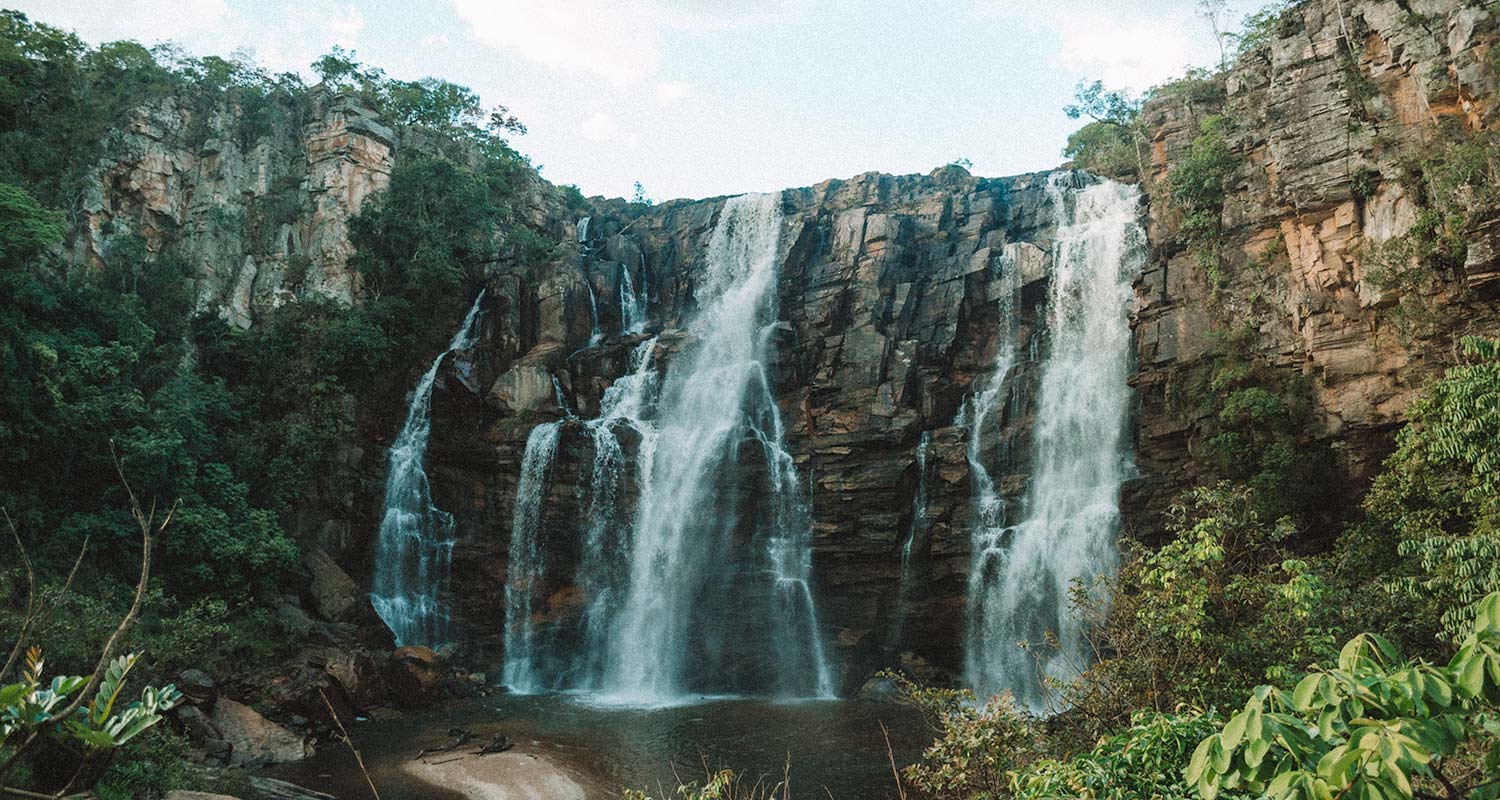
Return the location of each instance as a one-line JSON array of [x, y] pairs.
[[1374, 727], [979, 746], [1434, 511]]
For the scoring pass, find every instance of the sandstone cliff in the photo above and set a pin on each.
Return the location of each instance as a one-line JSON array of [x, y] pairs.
[[886, 291]]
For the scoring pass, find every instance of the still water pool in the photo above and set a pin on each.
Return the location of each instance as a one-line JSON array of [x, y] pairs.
[[570, 747]]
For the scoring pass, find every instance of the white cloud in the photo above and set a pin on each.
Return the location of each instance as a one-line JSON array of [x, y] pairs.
[[672, 91], [1130, 44], [147, 21], [1124, 54], [603, 128], [618, 41], [614, 41]]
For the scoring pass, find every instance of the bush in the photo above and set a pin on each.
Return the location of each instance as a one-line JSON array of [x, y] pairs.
[[1373, 727], [1433, 530], [1142, 761]]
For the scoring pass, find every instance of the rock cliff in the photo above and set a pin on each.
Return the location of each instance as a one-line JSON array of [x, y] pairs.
[[886, 294]]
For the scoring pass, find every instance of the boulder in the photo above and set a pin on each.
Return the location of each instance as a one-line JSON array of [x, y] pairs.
[[880, 689], [252, 738], [416, 674], [335, 595], [198, 688]]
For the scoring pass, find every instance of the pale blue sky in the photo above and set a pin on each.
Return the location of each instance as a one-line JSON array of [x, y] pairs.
[[695, 97]]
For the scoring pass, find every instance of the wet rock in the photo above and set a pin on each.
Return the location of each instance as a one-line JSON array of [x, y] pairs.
[[252, 738], [416, 675], [880, 689]]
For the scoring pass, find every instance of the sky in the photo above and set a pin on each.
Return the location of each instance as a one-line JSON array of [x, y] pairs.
[[698, 98]]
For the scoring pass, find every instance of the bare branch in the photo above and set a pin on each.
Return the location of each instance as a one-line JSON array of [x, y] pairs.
[[30, 616], [147, 522]]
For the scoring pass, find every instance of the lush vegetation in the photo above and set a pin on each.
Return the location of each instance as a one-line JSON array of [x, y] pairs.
[[238, 427]]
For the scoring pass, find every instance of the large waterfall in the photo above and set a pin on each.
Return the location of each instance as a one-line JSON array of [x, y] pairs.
[[704, 586], [415, 543], [1021, 573]]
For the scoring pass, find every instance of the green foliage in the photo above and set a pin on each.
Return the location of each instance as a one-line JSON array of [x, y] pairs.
[[1198, 185], [160, 761], [722, 784], [1373, 727], [26, 229], [97, 726], [1219, 607], [1109, 144], [1103, 149], [979, 746], [92, 360], [429, 231], [1260, 27], [1142, 761], [1436, 505], [1256, 421]]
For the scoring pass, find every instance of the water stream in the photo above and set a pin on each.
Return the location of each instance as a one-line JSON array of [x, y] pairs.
[[1023, 572], [414, 547]]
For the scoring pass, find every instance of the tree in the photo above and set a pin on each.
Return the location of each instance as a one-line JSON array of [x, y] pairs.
[[1115, 126]]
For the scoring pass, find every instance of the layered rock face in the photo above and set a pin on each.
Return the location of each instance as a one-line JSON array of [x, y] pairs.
[[1327, 119], [258, 209], [887, 293]]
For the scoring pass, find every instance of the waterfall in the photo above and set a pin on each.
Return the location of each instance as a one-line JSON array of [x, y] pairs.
[[596, 334], [916, 539], [526, 564], [530, 665], [632, 307], [1021, 578], [415, 544], [703, 584], [715, 396]]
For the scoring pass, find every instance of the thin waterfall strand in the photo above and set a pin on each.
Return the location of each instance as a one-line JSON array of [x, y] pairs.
[[414, 547]]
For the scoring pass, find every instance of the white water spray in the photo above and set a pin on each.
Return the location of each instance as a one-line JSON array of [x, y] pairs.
[[415, 545], [1021, 575]]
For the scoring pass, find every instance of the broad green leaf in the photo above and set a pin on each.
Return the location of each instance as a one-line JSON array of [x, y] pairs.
[[1306, 689], [1234, 730]]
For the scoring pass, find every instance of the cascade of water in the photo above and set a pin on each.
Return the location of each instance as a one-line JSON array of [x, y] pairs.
[[531, 665], [596, 334], [526, 564], [583, 230], [415, 545], [714, 397], [916, 538], [632, 307], [1020, 582]]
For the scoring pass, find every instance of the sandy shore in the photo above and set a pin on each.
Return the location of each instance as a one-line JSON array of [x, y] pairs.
[[512, 775]]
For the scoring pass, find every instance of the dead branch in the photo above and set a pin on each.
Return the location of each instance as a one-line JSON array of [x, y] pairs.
[[349, 743], [30, 615], [149, 526]]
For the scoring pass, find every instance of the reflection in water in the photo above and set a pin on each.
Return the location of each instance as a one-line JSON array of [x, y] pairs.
[[835, 747]]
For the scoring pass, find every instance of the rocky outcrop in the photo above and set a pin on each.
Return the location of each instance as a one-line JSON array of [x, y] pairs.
[[258, 211], [886, 292], [1326, 121], [252, 738]]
